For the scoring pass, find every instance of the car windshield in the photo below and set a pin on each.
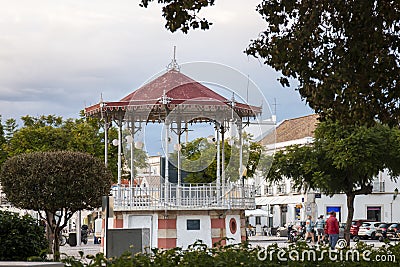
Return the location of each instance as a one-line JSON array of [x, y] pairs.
[[366, 224], [382, 225], [395, 225]]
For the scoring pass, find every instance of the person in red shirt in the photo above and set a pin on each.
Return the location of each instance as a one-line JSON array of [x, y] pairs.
[[332, 229]]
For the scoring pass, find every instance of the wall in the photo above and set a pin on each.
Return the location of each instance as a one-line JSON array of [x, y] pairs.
[[138, 221], [186, 237], [236, 237]]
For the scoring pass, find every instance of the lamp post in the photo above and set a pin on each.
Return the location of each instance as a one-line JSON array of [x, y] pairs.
[[395, 193]]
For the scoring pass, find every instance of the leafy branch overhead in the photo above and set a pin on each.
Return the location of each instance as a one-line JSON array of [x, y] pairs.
[[344, 55], [183, 14]]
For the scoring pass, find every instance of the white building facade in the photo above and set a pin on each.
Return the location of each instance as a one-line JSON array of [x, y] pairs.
[[286, 205]]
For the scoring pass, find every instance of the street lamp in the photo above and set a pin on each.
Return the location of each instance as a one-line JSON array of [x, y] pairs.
[[395, 193]]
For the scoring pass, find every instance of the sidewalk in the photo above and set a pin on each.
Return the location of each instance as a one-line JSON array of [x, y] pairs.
[[260, 238]]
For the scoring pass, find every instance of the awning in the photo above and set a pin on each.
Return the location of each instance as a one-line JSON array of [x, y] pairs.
[[256, 212], [263, 201]]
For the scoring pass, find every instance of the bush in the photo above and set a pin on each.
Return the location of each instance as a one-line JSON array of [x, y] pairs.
[[20, 237], [299, 254]]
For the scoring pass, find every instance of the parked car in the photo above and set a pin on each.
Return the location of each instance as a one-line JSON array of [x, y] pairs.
[[392, 231], [367, 230], [381, 231], [355, 226], [342, 226]]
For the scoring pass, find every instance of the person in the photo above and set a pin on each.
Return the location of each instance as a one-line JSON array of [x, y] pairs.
[[309, 229], [320, 225], [290, 228], [332, 229], [251, 230]]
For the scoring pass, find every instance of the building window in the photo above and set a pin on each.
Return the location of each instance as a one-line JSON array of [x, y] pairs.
[[374, 213], [281, 188], [293, 190], [378, 186], [258, 220], [257, 191], [193, 225], [337, 210], [268, 190]]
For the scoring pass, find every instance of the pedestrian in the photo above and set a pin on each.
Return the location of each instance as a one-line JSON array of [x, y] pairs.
[[332, 228], [290, 228], [309, 229], [320, 225]]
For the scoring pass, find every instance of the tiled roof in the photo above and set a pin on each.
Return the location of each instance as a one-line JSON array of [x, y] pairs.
[[293, 129], [176, 86]]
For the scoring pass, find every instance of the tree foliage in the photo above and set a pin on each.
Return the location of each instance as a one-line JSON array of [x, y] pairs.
[[183, 14], [20, 237], [3, 154], [344, 54], [55, 183], [53, 133], [199, 159], [343, 159]]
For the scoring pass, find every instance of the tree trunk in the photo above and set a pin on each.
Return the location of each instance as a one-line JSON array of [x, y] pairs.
[[54, 237], [56, 245], [350, 214]]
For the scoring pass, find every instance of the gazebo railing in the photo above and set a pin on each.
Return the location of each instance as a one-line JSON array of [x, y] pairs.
[[188, 196]]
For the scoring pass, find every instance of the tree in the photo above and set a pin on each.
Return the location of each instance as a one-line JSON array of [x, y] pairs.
[[199, 159], [345, 55], [343, 159], [20, 237], [56, 185], [52, 133], [3, 154]]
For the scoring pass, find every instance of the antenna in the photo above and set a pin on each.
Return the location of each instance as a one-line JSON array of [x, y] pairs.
[[173, 65], [275, 104], [274, 115]]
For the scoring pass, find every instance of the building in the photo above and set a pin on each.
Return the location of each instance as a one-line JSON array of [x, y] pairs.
[[286, 205]]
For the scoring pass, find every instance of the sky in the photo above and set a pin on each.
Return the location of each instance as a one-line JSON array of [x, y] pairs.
[[59, 56]]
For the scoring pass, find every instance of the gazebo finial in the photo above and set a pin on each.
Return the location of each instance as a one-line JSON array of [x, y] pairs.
[[174, 64]]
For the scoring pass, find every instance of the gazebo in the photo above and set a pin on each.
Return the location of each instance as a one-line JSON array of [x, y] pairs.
[[176, 213]]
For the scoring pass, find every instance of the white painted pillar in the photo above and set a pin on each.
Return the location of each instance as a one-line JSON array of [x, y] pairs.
[[217, 126], [166, 176]]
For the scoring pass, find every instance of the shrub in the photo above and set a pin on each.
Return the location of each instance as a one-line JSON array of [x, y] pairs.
[[199, 255], [21, 237]]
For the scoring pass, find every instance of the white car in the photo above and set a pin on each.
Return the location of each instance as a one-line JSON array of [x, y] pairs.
[[367, 230]]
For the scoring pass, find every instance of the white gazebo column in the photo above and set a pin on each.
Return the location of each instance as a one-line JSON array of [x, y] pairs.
[[178, 188], [132, 145], [223, 159], [119, 157], [240, 128], [166, 176], [218, 127]]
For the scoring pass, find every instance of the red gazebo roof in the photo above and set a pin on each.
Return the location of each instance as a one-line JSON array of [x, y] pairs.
[[181, 92], [176, 86]]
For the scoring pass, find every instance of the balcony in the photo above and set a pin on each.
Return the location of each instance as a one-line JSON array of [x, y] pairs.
[[185, 197]]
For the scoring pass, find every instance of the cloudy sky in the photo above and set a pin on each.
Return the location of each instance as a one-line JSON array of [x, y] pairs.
[[58, 56]]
